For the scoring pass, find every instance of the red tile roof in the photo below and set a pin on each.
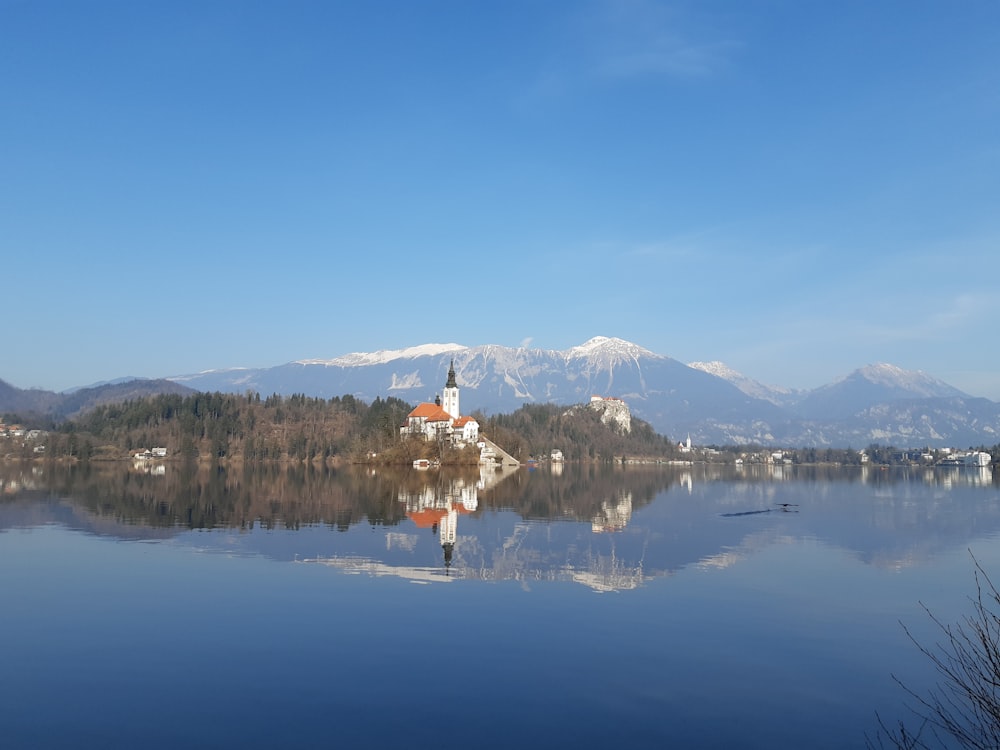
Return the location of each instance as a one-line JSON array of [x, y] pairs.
[[430, 412], [426, 518]]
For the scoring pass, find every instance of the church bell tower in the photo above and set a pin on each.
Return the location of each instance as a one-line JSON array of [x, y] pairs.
[[449, 400]]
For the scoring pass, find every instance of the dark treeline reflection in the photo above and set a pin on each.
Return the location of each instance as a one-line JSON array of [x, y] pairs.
[[291, 497], [214, 497], [193, 497]]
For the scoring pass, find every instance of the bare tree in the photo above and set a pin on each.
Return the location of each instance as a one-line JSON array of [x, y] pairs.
[[963, 709]]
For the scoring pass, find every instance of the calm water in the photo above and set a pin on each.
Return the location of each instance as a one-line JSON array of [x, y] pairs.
[[586, 608]]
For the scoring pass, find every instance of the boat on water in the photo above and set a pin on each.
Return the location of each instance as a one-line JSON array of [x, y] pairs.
[[421, 463]]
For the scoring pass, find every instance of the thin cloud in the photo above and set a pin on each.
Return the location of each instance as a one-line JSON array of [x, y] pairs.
[[644, 38], [611, 42], [666, 251], [666, 56], [956, 315], [965, 310]]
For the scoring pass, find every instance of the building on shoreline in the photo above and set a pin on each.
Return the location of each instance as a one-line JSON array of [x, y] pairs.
[[442, 420]]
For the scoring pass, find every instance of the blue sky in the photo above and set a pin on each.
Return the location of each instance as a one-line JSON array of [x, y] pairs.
[[795, 188]]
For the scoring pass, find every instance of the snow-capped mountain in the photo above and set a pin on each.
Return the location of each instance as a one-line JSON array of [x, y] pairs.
[[874, 384], [711, 401], [360, 359], [499, 379], [775, 394], [708, 400], [602, 351], [915, 382]]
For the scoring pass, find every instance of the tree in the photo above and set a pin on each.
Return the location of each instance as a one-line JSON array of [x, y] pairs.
[[963, 709]]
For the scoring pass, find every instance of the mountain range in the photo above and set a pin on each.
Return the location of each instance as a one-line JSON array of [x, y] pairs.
[[709, 401]]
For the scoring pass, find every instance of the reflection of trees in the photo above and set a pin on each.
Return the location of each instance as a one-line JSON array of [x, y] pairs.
[[583, 495], [270, 496], [191, 497]]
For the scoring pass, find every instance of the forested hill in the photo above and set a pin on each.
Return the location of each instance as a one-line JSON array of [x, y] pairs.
[[221, 426], [226, 426], [58, 406], [537, 429]]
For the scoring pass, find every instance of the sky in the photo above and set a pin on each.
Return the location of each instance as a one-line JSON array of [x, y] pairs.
[[795, 188]]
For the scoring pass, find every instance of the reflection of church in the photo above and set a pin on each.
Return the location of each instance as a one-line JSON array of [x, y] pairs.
[[438, 508]]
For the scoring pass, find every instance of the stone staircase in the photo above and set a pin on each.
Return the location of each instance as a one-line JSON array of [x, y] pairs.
[[505, 458]]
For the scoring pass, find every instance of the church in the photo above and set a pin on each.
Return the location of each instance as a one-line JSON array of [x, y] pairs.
[[442, 420]]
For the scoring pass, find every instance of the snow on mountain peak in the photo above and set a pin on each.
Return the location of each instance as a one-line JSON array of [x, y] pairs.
[[884, 372], [916, 381], [601, 348], [719, 369], [361, 359], [604, 347], [751, 387]]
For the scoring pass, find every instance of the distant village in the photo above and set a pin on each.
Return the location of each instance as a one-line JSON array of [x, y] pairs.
[[945, 457], [26, 438]]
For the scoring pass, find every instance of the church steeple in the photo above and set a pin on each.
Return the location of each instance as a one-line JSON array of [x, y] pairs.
[[449, 400]]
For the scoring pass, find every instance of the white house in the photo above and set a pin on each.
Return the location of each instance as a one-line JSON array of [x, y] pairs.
[[466, 429]]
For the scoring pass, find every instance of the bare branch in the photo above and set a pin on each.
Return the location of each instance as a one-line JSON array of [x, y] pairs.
[[964, 706]]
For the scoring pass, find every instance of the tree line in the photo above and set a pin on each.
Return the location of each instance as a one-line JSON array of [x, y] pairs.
[[227, 426], [300, 428], [535, 430]]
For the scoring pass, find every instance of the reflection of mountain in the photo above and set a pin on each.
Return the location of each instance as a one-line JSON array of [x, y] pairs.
[[534, 552], [521, 526], [34, 509], [614, 515]]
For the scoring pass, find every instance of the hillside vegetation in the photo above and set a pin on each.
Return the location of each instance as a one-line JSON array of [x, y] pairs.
[[297, 428], [226, 427], [537, 429]]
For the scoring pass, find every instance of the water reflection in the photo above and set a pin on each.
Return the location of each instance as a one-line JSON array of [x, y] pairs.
[[615, 514], [980, 476], [437, 507], [607, 527]]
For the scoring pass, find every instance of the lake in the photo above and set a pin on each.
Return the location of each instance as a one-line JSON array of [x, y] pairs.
[[568, 606]]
